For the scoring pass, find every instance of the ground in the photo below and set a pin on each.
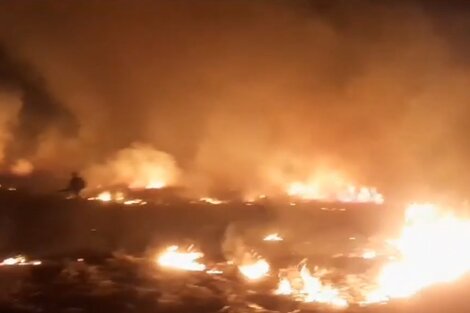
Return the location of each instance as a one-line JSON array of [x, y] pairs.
[[118, 243]]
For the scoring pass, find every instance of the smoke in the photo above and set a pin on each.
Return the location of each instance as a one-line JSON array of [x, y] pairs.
[[38, 112], [9, 107], [22, 167], [139, 166], [245, 94]]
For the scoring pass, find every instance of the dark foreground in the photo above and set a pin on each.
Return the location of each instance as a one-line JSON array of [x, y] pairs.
[[117, 245]]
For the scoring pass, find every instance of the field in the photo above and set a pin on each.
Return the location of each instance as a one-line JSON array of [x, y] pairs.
[[100, 257]]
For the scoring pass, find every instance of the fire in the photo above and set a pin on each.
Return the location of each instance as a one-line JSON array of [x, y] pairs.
[[432, 249], [135, 202], [305, 287], [139, 166], [156, 184], [19, 260], [273, 237], [210, 200], [284, 288], [301, 190], [119, 197], [337, 192], [256, 270], [187, 261], [104, 196]]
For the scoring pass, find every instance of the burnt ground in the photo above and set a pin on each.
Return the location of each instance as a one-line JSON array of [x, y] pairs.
[[117, 241]]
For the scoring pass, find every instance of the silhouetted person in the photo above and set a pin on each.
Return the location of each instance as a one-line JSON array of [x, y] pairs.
[[76, 185]]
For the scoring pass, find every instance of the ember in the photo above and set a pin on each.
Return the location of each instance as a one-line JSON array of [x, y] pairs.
[[273, 237], [19, 261], [210, 200]]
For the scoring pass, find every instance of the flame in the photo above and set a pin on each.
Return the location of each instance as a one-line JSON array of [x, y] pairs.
[[19, 260], [336, 192], [156, 184], [304, 191], [104, 196], [139, 166], [284, 288], [210, 200], [187, 261], [305, 287], [255, 270], [432, 249], [135, 202], [273, 237], [107, 196]]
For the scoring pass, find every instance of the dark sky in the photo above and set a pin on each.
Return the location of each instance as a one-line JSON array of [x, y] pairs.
[[235, 89]]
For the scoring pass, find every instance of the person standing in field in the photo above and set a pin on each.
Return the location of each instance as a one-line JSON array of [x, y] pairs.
[[76, 185]]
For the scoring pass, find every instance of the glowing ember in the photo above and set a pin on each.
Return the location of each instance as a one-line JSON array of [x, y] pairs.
[[432, 248], [135, 202], [273, 237], [211, 200], [19, 261], [187, 261], [255, 270], [214, 272]]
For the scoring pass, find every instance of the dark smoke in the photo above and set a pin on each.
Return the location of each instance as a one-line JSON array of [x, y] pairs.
[[39, 112]]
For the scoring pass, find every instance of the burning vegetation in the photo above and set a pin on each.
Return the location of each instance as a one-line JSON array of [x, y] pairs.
[[265, 133]]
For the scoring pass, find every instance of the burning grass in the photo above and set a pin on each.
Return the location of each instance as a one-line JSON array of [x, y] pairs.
[[427, 252]]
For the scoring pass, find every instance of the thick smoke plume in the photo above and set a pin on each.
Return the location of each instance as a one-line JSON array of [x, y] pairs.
[[242, 93], [139, 166]]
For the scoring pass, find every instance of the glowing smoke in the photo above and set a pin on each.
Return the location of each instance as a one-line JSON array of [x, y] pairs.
[[139, 166], [316, 80], [22, 167]]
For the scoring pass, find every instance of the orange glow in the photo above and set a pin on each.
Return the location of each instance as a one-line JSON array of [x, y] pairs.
[[19, 261], [255, 270], [273, 237], [119, 197], [155, 185], [173, 258], [432, 249], [104, 196], [210, 200], [305, 287], [339, 192]]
